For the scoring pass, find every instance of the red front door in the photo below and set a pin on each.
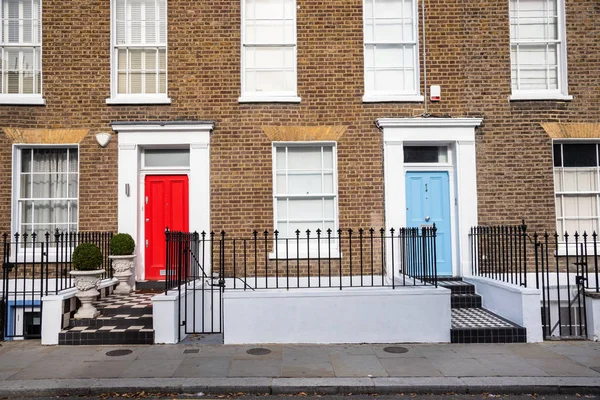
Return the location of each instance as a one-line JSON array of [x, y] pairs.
[[166, 206]]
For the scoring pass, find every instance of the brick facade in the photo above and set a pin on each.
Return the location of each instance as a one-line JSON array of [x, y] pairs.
[[468, 55]]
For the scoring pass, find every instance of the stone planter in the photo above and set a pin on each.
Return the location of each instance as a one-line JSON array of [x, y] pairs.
[[87, 283], [122, 270]]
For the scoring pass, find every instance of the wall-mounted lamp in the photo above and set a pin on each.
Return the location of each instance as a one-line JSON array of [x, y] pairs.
[[103, 138], [127, 189]]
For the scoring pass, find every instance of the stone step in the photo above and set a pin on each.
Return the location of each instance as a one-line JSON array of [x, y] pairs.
[[132, 304], [458, 286], [106, 335], [478, 325], [465, 300], [121, 320]]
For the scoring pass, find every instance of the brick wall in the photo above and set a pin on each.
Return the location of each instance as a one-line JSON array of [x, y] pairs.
[[468, 55]]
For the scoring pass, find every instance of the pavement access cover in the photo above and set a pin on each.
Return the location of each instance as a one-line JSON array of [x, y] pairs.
[[118, 353], [395, 349], [258, 351]]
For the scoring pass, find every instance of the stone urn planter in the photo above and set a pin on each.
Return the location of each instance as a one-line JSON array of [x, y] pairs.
[[86, 261], [122, 247]]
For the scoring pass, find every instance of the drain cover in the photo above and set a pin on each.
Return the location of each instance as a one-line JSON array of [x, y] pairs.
[[258, 351], [395, 349], [118, 353], [191, 351]]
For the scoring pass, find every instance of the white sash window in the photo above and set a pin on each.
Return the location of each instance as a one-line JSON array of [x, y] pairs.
[[269, 50], [20, 51], [391, 51], [139, 51], [47, 190], [537, 47]]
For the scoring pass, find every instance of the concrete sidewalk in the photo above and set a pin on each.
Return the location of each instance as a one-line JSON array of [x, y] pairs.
[[27, 368]]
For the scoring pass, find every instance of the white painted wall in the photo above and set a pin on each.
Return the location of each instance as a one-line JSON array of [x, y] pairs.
[[592, 305], [517, 304], [330, 315], [167, 312], [459, 133]]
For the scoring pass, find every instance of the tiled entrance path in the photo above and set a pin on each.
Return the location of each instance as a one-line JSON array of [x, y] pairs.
[[28, 360]]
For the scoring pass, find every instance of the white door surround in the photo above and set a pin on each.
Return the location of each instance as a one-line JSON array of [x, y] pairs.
[[459, 135], [133, 138]]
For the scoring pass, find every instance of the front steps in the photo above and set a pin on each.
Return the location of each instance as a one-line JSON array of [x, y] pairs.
[[124, 319], [471, 323]]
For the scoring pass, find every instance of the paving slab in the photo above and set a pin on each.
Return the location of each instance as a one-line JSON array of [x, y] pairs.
[[203, 367], [352, 365], [563, 367], [409, 367], [462, 367], [508, 365], [255, 368], [144, 369], [307, 370], [101, 369]]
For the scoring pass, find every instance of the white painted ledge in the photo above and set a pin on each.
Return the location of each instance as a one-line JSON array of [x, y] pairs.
[[540, 96], [430, 122], [127, 100], [269, 99], [22, 100], [518, 304], [372, 98]]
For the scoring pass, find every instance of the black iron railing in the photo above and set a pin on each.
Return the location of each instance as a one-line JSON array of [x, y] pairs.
[[34, 267], [345, 258], [562, 266], [499, 252]]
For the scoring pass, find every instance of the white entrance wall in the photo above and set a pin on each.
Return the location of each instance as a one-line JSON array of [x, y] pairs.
[[459, 135], [133, 137]]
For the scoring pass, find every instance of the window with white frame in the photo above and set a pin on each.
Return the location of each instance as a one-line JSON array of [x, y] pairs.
[[537, 47], [391, 51], [577, 187], [20, 47], [305, 190], [46, 190], [268, 50], [139, 49]]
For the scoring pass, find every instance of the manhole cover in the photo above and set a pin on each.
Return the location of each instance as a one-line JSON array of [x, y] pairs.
[[191, 351], [395, 349], [117, 353], [258, 351]]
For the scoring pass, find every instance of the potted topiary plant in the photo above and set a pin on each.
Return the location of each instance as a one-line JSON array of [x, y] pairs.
[[122, 247], [86, 262]]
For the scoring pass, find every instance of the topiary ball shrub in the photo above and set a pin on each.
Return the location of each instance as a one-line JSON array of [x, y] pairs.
[[87, 257], [122, 244]]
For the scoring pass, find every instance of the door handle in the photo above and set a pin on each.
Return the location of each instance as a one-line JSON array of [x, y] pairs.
[[427, 218], [147, 219]]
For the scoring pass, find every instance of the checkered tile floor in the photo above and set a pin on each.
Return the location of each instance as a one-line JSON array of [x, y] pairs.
[[132, 300], [124, 319], [469, 318]]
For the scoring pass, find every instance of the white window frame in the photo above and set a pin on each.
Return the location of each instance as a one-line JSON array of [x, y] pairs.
[[115, 97], [389, 96], [281, 252], [561, 93], [16, 181], [267, 97], [36, 46], [562, 248]]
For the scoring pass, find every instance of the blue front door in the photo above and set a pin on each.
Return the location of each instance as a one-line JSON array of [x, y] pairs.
[[428, 202]]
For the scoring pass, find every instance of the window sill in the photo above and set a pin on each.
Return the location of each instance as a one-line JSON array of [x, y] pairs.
[[22, 100], [538, 97], [124, 100], [372, 98], [562, 249], [269, 99]]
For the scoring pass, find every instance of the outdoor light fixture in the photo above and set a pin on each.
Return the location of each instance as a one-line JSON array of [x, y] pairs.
[[103, 138]]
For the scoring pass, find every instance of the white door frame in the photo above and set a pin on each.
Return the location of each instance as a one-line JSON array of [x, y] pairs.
[[133, 138], [459, 135]]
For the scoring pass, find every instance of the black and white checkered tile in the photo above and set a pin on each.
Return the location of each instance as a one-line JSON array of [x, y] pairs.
[[125, 319], [473, 324], [477, 318]]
